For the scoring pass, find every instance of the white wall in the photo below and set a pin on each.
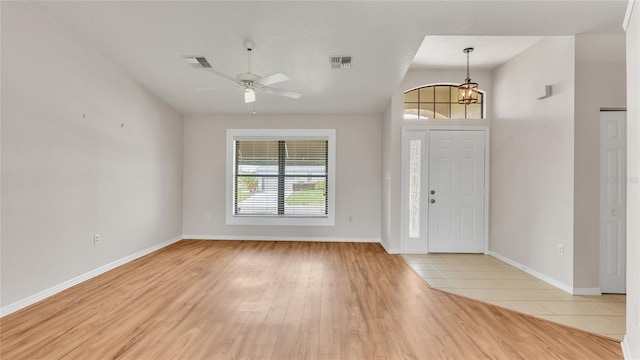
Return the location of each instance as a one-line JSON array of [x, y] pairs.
[[393, 120], [532, 153], [600, 82], [84, 150], [387, 186], [358, 176], [632, 340]]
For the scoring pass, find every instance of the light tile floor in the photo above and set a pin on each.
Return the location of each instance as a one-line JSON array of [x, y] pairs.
[[490, 280]]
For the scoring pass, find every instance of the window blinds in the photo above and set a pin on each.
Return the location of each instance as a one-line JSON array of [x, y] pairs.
[[281, 178]]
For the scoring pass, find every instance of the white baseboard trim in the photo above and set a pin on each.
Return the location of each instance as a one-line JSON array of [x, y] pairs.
[[389, 250], [21, 304], [626, 351], [587, 291], [281, 238], [534, 273]]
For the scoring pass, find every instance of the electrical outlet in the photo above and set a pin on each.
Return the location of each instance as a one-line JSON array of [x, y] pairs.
[[560, 249], [96, 239], [207, 216]]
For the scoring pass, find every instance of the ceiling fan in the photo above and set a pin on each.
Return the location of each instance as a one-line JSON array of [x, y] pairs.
[[249, 81]]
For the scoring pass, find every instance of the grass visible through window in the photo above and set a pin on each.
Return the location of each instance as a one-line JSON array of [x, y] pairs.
[[244, 194], [306, 197]]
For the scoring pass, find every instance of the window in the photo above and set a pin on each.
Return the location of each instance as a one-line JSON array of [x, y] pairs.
[[280, 177], [440, 102]]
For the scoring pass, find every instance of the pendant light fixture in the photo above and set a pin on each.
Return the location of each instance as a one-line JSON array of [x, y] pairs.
[[468, 92]]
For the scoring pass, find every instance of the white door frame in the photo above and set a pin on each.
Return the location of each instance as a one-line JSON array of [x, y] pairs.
[[404, 189]]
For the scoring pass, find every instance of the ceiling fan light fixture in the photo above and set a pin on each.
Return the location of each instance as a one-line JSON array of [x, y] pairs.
[[249, 95], [468, 91]]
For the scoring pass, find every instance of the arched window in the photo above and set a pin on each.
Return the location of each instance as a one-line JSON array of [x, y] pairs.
[[440, 102]]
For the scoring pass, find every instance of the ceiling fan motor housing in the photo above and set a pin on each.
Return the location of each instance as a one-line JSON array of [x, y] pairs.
[[250, 77]]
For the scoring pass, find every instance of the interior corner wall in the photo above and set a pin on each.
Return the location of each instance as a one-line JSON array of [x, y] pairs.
[[532, 156], [632, 339], [600, 80], [386, 238], [392, 171], [358, 177], [85, 150]]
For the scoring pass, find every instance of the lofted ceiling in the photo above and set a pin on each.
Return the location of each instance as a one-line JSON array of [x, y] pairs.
[[148, 39], [443, 52]]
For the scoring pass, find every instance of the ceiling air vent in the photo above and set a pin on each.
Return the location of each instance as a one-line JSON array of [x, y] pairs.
[[198, 62], [340, 62]]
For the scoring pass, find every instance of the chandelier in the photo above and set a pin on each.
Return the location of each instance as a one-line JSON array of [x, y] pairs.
[[468, 92]]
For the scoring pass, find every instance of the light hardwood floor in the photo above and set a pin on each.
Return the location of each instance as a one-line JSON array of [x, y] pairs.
[[279, 300]]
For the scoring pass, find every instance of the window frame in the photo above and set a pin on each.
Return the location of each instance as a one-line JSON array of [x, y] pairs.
[[483, 108], [280, 134]]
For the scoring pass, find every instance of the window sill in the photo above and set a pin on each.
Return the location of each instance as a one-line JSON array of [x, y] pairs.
[[279, 220]]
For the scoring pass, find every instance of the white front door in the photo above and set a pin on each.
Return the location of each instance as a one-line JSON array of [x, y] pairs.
[[456, 191], [613, 193]]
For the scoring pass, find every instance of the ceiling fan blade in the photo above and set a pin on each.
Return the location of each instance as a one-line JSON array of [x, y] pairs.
[[281, 92], [222, 75], [272, 79], [249, 96]]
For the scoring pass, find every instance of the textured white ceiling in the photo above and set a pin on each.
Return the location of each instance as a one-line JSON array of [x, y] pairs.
[[148, 39], [488, 51]]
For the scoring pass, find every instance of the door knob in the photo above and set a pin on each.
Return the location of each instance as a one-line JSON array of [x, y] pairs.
[[433, 201]]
